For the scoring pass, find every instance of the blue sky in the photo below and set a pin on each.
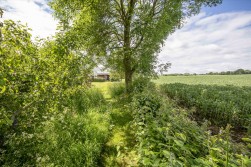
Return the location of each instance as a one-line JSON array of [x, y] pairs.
[[218, 39], [229, 6]]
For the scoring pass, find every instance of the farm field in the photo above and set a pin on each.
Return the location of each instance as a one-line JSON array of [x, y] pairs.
[[220, 104], [236, 80]]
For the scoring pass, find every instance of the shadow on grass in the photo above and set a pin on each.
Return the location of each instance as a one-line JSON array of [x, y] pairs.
[[120, 149], [121, 117]]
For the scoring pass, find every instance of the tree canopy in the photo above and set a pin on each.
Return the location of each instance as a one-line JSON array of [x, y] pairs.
[[126, 34]]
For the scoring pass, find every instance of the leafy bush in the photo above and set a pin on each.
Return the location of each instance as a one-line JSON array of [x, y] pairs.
[[167, 137], [115, 76], [141, 83], [37, 81], [147, 104]]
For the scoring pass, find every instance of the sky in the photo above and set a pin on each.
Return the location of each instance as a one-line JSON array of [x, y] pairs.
[[36, 13], [218, 39]]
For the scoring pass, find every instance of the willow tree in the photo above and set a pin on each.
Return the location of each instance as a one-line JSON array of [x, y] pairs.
[[126, 34]]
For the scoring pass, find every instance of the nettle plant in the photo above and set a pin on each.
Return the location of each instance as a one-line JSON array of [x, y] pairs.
[[167, 137]]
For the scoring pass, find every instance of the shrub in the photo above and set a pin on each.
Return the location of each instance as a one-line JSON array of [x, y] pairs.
[[166, 136], [141, 83], [115, 76]]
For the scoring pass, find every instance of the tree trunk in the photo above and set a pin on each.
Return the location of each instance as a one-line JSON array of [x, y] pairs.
[[127, 60], [128, 75]]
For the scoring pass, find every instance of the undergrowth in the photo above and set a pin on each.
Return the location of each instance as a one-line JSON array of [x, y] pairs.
[[74, 136], [168, 137]]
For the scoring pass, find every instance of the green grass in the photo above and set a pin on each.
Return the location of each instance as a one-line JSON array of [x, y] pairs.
[[120, 149], [236, 80], [103, 87]]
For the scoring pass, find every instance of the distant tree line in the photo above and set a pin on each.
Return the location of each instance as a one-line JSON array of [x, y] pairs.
[[181, 74], [236, 72]]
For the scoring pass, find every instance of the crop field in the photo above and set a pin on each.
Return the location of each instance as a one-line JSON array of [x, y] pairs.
[[236, 80], [219, 104]]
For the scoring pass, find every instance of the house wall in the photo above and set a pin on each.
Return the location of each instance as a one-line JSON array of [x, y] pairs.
[[106, 77]]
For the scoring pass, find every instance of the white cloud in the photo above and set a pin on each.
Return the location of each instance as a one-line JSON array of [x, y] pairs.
[[210, 43], [36, 13], [206, 43]]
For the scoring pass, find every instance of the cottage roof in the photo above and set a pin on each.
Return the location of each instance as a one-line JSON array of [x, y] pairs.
[[102, 73]]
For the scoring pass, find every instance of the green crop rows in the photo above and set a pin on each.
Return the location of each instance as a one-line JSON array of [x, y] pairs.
[[222, 80], [219, 104]]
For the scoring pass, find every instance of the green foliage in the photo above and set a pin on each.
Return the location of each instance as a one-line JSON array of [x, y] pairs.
[[141, 83], [35, 78], [167, 137], [37, 81], [123, 33], [222, 151], [116, 90], [18, 78], [96, 97], [65, 139], [72, 139], [236, 72], [115, 76], [219, 104], [80, 99]]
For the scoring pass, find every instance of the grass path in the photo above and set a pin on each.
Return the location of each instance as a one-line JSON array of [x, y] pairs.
[[120, 150]]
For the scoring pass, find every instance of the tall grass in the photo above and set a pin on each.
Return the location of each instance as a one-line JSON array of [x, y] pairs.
[[73, 136], [117, 90], [82, 99], [73, 139]]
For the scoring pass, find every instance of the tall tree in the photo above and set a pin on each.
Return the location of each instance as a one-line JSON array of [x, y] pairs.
[[127, 33]]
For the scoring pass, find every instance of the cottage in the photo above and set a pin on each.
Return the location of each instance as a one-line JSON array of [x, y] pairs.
[[103, 75]]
